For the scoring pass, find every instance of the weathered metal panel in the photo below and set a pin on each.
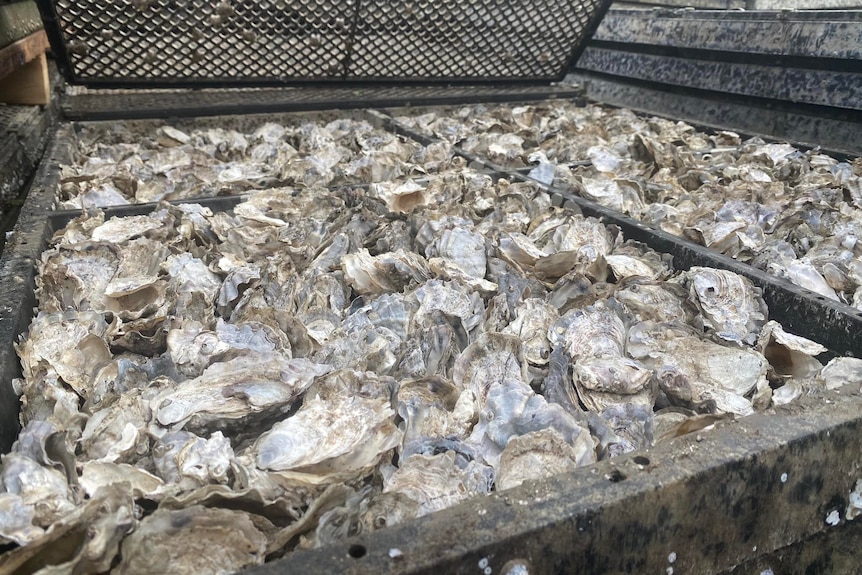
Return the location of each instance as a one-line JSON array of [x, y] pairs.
[[825, 88], [804, 34], [752, 4], [757, 119]]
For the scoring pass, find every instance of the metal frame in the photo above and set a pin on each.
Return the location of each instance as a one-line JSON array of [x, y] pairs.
[[64, 29], [126, 104]]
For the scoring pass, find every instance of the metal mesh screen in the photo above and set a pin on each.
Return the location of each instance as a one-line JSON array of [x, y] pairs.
[[217, 42]]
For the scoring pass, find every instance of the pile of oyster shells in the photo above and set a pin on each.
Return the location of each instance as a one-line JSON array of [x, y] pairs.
[[115, 164], [206, 391], [796, 214]]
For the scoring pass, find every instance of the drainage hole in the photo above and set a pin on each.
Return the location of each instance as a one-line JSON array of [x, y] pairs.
[[357, 551], [615, 476], [641, 460]]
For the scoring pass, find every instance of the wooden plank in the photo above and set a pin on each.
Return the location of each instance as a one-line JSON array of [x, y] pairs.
[[25, 50], [28, 85]]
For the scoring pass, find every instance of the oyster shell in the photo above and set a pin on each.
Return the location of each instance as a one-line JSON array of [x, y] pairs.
[[436, 482], [729, 304], [695, 371], [43, 489], [841, 371], [513, 409], [196, 539], [16, 520], [86, 541], [234, 391], [532, 320], [326, 437], [71, 344], [492, 360], [788, 354], [116, 433], [96, 475], [536, 455], [390, 272], [595, 339]]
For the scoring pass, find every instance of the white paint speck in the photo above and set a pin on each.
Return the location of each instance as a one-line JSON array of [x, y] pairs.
[[854, 507], [395, 553], [487, 571], [669, 571], [767, 572], [783, 478], [833, 518], [672, 557], [754, 549], [483, 562]]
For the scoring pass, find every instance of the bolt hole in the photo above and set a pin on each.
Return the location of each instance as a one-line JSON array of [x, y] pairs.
[[615, 476], [357, 551], [641, 460]]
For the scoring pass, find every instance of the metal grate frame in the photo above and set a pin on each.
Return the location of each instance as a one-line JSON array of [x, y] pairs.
[[219, 43]]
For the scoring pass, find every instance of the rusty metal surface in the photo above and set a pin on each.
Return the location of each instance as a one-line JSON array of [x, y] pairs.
[[825, 88], [834, 34], [699, 504]]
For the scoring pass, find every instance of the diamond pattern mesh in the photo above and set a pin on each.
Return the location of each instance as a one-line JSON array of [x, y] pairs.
[[188, 42]]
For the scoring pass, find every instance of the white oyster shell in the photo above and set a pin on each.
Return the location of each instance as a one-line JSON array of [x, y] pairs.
[[692, 369], [329, 436], [436, 482], [494, 359], [512, 409], [389, 272], [464, 248], [541, 454], [400, 198], [71, 343], [533, 318], [234, 390], [788, 354], [729, 303], [16, 520], [95, 475], [44, 489], [841, 371]]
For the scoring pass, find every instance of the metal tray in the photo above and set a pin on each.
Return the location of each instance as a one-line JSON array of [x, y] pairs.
[[697, 504], [84, 104], [200, 43], [793, 59]]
